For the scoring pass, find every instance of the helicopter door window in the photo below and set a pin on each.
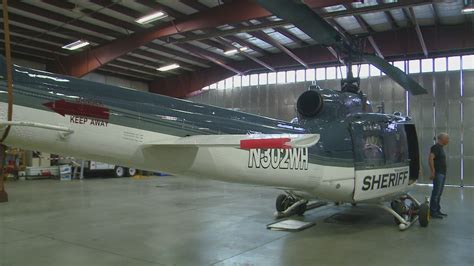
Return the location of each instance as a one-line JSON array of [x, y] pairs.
[[395, 143], [368, 145]]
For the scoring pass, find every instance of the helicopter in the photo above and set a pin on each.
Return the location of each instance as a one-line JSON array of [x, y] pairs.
[[336, 150]]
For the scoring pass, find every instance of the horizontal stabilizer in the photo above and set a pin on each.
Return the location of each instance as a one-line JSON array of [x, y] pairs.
[[254, 141], [35, 125]]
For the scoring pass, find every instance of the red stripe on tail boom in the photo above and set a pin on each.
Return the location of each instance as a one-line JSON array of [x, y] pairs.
[[281, 143]]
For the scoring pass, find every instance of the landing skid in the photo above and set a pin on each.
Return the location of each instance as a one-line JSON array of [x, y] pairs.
[[405, 215], [292, 210], [406, 210]]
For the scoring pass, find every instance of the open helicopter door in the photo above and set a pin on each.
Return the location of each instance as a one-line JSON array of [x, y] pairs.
[[381, 157]]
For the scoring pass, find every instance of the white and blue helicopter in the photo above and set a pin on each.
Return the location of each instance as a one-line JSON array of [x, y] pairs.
[[336, 150]]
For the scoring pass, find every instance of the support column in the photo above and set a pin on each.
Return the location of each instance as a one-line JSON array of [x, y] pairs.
[[3, 193], [8, 62]]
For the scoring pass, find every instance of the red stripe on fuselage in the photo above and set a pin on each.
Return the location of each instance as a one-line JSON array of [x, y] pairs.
[[63, 108], [281, 143]]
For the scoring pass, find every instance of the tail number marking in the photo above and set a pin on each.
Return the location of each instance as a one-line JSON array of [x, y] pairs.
[[293, 159]]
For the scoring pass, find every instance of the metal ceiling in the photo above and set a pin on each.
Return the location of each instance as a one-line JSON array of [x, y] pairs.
[[40, 27]]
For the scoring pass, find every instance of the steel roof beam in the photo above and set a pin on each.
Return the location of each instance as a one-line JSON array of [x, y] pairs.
[[62, 18], [248, 44], [156, 6], [136, 68], [81, 63], [209, 56], [418, 31], [327, 15], [46, 26], [177, 55], [145, 64], [153, 57], [60, 4], [195, 5], [391, 19], [289, 35], [266, 38], [126, 72], [401, 44], [253, 58], [172, 54], [32, 52], [366, 27], [435, 14], [117, 8]]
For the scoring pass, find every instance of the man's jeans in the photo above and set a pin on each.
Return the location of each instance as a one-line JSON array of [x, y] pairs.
[[438, 186]]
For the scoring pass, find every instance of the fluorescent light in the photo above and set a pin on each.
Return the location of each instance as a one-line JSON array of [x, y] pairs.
[[243, 49], [151, 17], [231, 52], [168, 67], [468, 10], [76, 45], [468, 7]]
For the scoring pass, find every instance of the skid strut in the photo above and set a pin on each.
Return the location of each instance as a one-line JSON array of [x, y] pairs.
[[408, 215], [298, 202]]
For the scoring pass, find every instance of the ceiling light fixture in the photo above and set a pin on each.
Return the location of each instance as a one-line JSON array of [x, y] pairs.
[[231, 52], [243, 49], [151, 17], [75, 45], [468, 7], [168, 67]]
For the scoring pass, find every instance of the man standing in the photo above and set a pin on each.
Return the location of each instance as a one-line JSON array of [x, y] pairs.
[[437, 162]]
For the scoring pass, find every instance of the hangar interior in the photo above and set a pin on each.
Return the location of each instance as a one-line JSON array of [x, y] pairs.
[[237, 55]]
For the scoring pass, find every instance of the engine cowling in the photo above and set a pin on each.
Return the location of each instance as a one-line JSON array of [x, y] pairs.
[[310, 104]]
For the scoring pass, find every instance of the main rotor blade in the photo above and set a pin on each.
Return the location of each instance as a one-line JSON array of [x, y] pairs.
[[396, 74], [304, 18]]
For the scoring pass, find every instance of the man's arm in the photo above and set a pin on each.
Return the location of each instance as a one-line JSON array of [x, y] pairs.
[[431, 163]]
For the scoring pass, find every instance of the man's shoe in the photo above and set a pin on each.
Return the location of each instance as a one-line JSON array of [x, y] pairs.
[[443, 214], [436, 216]]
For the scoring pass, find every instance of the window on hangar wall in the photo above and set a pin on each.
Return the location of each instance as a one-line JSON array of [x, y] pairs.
[[262, 79], [440, 64], [427, 65], [281, 77], [300, 75], [331, 73], [229, 83], [245, 80], [364, 71], [253, 79], [221, 85], [454, 63], [414, 66], [290, 76], [374, 72], [320, 73], [237, 81], [341, 72], [272, 78], [468, 62]]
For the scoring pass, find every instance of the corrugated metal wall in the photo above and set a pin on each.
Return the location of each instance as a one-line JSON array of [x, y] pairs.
[[448, 107]]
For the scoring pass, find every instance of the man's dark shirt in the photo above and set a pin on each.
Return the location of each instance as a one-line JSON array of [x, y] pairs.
[[440, 158]]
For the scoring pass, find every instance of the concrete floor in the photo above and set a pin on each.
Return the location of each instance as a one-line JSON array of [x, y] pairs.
[[178, 221]]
